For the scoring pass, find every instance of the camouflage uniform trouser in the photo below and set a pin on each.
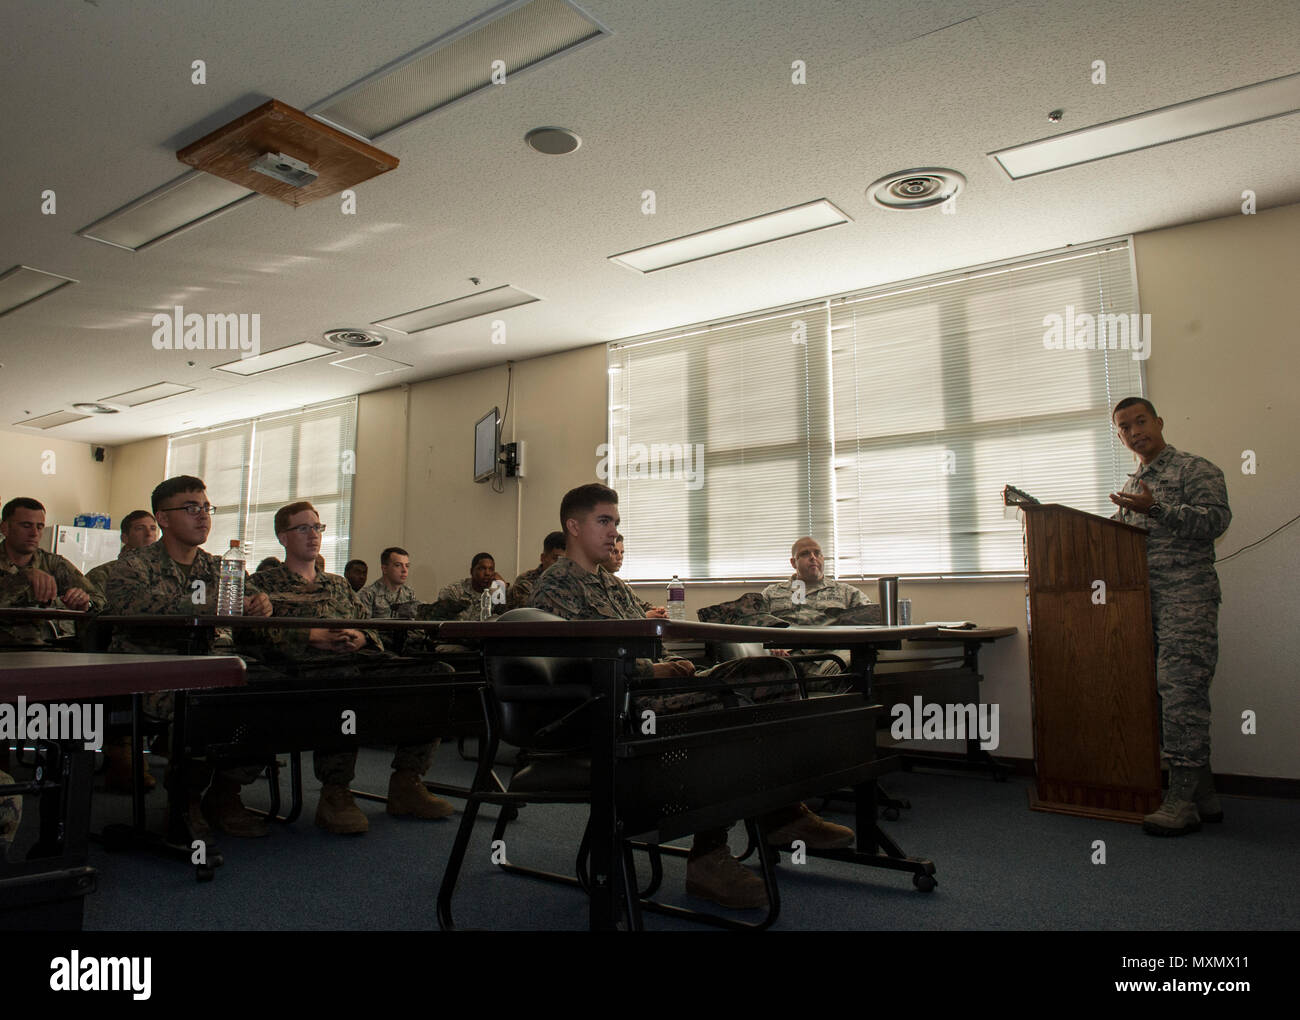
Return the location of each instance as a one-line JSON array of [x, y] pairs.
[[337, 768], [1187, 650], [162, 705], [761, 667], [11, 814]]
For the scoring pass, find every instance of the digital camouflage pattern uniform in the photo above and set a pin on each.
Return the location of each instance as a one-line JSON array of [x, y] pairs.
[[522, 590], [328, 597], [98, 576], [148, 582], [465, 590], [1184, 592], [11, 815], [16, 592], [569, 591], [380, 602], [817, 606]]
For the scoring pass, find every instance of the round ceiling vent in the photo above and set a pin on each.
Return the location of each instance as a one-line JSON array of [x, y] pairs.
[[916, 189], [552, 141], [353, 339]]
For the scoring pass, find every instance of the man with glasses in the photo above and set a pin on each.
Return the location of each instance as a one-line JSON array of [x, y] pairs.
[[30, 576], [298, 589], [175, 577]]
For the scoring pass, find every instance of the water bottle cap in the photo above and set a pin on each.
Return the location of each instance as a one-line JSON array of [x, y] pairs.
[[234, 543]]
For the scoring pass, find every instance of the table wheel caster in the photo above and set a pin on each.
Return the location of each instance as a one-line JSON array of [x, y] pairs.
[[925, 883]]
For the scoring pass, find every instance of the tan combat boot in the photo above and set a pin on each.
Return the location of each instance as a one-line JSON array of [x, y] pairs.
[[1207, 801], [1177, 815], [720, 878], [407, 795], [338, 812], [225, 811]]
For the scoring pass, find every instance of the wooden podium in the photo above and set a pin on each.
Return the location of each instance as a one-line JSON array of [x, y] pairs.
[[1091, 666]]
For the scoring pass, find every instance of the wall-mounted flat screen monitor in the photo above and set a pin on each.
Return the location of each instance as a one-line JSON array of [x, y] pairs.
[[487, 443]]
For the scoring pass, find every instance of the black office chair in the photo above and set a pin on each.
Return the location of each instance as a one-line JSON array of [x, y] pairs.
[[541, 705]]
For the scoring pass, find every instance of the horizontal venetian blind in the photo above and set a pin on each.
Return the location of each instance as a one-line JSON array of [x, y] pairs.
[[720, 445], [254, 467], [947, 390]]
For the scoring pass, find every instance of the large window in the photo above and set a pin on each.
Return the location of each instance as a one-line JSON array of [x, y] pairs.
[[884, 423], [252, 468]]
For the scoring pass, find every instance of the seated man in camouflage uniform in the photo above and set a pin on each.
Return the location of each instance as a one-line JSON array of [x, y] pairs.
[[296, 589], [803, 599], [576, 588], [355, 571], [614, 563], [390, 591], [522, 590], [482, 575], [175, 577], [11, 815], [139, 529], [30, 576], [1181, 502]]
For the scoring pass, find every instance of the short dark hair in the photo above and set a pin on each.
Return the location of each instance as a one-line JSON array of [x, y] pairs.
[[555, 540], [584, 498], [19, 503], [618, 538], [132, 517], [267, 563], [355, 563], [1129, 402], [383, 556], [479, 558], [174, 487], [285, 512]]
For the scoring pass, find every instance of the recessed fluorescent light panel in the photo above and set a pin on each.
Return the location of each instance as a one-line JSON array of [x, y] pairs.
[[22, 285], [1275, 98], [370, 364], [800, 219], [146, 394], [272, 360], [52, 420], [165, 212], [482, 53], [498, 299]]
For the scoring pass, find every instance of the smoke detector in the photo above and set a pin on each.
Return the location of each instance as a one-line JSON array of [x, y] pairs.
[[916, 189], [353, 339]]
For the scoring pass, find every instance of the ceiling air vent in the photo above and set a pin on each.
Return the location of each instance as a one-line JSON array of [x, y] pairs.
[[353, 339], [916, 189]]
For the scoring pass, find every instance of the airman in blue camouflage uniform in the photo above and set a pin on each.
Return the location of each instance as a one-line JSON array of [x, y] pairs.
[[389, 592], [1181, 502]]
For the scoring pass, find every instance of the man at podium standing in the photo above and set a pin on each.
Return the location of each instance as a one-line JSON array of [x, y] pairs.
[[1181, 502]]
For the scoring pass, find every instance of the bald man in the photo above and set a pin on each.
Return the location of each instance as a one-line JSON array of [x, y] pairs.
[[807, 592]]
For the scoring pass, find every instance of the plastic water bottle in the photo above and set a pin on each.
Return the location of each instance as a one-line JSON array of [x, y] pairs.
[[676, 599], [230, 584], [485, 605]]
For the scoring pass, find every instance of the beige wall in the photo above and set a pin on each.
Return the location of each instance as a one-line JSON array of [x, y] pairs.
[[137, 469], [63, 476], [1221, 374]]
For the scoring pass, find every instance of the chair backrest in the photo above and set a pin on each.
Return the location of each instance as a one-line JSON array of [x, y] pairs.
[[534, 691], [725, 651]]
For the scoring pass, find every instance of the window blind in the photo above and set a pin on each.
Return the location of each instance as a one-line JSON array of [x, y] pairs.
[[884, 423], [254, 467]]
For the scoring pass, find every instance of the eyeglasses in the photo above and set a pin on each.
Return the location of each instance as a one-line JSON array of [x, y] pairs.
[[307, 529], [193, 509]]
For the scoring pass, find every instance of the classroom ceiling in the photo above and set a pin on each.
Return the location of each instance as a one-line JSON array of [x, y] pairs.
[[691, 100]]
